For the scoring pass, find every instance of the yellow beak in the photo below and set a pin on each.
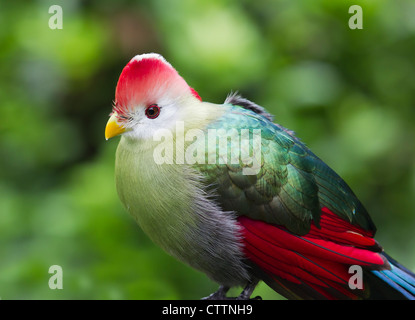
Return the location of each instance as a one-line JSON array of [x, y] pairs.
[[113, 128]]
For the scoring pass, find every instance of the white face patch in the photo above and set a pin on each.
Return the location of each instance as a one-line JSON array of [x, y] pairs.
[[144, 128]]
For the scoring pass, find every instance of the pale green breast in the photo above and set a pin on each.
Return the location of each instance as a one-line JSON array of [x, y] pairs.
[[158, 196], [169, 202]]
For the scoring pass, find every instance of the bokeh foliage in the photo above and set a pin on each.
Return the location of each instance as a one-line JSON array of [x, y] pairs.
[[349, 94]]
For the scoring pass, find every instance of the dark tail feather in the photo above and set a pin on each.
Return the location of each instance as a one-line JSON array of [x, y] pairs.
[[396, 283]]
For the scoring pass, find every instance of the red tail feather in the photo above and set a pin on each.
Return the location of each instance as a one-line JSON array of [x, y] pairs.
[[319, 260]]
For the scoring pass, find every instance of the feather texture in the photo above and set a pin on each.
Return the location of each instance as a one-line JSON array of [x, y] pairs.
[[317, 264], [279, 214], [292, 184]]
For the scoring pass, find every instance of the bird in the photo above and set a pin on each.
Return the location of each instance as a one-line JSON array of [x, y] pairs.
[[231, 193]]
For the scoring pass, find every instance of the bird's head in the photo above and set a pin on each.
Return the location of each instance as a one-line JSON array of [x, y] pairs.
[[150, 95]]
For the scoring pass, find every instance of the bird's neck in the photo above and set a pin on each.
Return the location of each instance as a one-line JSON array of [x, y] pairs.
[[159, 192], [170, 203]]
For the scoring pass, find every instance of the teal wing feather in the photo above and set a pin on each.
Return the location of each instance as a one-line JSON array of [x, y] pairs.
[[290, 185]]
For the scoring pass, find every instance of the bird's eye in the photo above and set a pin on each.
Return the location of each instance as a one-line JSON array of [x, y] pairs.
[[152, 111]]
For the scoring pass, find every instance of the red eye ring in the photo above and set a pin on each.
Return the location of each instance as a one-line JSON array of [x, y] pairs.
[[152, 111]]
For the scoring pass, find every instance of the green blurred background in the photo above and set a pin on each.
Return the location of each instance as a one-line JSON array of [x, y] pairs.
[[349, 94]]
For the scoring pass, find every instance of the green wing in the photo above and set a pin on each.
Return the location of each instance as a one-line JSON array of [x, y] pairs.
[[290, 184]]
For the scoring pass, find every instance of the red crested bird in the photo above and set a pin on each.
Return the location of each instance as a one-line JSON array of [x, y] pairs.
[[229, 192]]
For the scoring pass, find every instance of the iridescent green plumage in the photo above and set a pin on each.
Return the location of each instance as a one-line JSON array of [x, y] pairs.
[[292, 184]]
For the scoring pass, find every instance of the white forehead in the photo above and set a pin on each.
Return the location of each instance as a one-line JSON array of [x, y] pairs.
[[152, 55]]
